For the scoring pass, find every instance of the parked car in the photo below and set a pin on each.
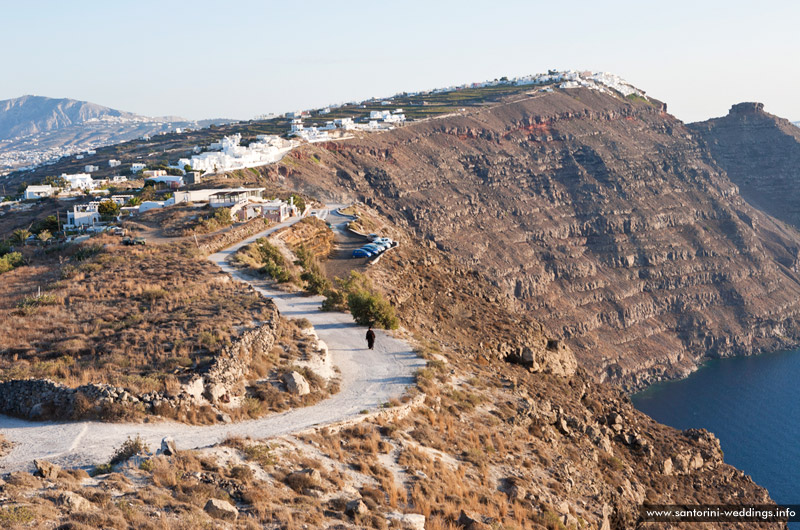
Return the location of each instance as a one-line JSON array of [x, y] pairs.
[[374, 248], [139, 241], [363, 253], [380, 240]]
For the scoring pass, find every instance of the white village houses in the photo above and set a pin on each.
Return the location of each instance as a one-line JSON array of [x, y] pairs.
[[38, 192]]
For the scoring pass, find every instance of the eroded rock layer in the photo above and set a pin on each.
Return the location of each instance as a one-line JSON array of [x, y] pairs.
[[761, 154], [603, 217]]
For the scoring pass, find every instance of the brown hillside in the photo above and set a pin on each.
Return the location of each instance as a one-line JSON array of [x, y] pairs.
[[603, 217]]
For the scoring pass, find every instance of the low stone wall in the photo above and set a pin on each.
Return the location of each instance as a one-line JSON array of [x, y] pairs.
[[233, 236], [219, 384]]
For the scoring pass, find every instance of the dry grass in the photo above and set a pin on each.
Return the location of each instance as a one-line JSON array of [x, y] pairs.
[[134, 317]]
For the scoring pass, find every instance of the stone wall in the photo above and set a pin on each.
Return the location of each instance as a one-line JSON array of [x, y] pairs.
[[233, 236]]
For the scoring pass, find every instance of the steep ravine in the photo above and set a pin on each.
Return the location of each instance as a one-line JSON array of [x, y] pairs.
[[603, 218]]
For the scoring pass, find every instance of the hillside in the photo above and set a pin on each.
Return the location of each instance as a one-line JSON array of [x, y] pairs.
[[36, 114], [761, 154], [36, 129], [601, 216]]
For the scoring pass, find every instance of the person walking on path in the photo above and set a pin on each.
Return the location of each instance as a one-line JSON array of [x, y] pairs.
[[370, 338]]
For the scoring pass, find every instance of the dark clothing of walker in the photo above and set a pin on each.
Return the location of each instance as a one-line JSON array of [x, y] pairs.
[[370, 338]]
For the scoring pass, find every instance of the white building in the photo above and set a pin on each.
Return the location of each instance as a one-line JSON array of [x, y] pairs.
[[83, 215], [233, 197], [114, 163], [122, 200], [153, 205], [81, 181], [137, 166], [172, 181], [344, 123], [38, 192], [266, 150], [91, 152], [90, 168], [119, 178], [78, 157]]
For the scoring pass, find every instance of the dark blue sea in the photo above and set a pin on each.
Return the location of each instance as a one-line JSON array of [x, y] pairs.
[[752, 404]]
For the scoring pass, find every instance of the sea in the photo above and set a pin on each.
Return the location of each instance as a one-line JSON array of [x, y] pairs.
[[752, 404]]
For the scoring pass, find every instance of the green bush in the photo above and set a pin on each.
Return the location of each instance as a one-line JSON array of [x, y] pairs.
[[370, 308], [108, 210], [275, 265], [10, 261], [334, 301], [314, 278]]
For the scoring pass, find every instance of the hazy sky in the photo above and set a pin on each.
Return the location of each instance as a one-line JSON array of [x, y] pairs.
[[238, 59]]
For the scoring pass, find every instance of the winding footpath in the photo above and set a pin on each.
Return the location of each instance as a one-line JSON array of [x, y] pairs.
[[368, 379]]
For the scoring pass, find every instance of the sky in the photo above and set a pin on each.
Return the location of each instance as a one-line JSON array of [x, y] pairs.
[[239, 59]]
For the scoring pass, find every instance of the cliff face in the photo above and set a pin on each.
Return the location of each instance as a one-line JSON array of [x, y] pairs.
[[602, 217], [761, 154]]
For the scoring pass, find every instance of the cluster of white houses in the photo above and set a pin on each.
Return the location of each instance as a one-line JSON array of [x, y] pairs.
[[379, 120], [77, 182], [228, 155], [244, 204]]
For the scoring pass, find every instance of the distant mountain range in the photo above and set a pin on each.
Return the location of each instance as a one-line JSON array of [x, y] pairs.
[[36, 129]]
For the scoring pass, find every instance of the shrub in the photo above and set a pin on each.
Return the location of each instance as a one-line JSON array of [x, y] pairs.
[[10, 261], [15, 515], [315, 280], [130, 447], [275, 265], [108, 210], [86, 252], [370, 308], [334, 301]]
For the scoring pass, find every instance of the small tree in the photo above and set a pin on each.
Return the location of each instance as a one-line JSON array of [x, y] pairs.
[[108, 210], [370, 308], [45, 236], [20, 235]]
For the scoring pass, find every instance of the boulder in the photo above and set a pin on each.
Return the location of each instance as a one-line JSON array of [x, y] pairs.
[[217, 393], [606, 524], [406, 521], [356, 507], [74, 502], [471, 522], [168, 447], [195, 388], [296, 383], [666, 467], [46, 470], [221, 509], [305, 478]]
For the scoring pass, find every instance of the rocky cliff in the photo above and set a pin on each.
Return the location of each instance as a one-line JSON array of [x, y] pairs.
[[761, 154], [601, 216]]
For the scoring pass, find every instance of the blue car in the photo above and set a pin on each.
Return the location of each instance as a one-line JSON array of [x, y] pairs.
[[363, 253]]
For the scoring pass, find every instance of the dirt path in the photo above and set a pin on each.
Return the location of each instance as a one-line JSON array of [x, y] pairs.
[[369, 378]]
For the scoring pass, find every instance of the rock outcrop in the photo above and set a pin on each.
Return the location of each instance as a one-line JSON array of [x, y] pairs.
[[603, 218], [760, 152]]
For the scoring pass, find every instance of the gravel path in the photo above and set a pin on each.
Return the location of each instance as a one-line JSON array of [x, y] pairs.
[[369, 378]]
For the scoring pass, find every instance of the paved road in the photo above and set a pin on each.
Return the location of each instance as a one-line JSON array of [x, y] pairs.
[[369, 378]]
